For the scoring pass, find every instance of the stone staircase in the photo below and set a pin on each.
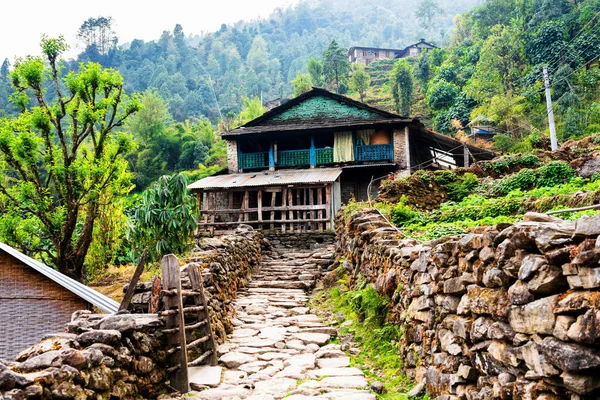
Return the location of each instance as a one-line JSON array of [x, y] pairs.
[[278, 349]]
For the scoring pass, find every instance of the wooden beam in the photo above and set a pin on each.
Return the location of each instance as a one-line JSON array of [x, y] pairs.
[[273, 199], [259, 201], [133, 283], [328, 206], [283, 204], [291, 212]]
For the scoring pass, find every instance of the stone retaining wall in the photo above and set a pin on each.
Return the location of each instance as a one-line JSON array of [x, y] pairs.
[[102, 357], [226, 262], [511, 312]]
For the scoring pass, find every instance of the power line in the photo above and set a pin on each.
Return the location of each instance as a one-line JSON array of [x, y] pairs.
[[565, 47]]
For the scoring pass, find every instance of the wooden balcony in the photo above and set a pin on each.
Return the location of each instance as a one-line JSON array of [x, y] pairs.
[[312, 157]]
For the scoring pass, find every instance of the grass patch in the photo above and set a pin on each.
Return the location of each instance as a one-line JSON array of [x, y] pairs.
[[378, 340]]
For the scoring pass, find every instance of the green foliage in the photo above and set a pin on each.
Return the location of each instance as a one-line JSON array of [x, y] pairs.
[[336, 67], [441, 94], [506, 163], [401, 82], [525, 179], [314, 67], [60, 157], [555, 173], [462, 187], [360, 81], [301, 84], [163, 218]]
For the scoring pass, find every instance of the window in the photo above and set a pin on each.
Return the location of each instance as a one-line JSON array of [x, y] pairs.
[[364, 53]]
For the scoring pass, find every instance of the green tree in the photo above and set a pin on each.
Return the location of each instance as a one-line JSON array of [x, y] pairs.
[[301, 83], [401, 82], [441, 94], [99, 33], [314, 67], [426, 13], [336, 66], [164, 218], [360, 81], [60, 158], [253, 108]]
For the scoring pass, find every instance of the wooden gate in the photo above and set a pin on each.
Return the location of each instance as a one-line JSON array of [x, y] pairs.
[[196, 339]]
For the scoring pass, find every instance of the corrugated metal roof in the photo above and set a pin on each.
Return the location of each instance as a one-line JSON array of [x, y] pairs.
[[90, 295], [268, 178]]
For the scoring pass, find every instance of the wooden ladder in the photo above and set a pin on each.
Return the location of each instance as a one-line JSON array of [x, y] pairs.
[[197, 336]]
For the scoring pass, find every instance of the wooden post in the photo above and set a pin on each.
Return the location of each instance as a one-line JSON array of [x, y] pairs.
[[328, 204], [246, 205], [154, 302], [259, 201], [172, 281], [298, 213], [319, 202], [212, 216], [134, 280], [291, 203], [283, 203], [271, 158], [311, 214], [313, 152], [466, 156], [273, 200]]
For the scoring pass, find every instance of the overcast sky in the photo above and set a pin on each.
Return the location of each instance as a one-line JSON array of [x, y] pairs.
[[23, 23]]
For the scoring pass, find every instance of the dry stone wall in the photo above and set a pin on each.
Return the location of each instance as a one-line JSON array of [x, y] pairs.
[[512, 312], [227, 262], [101, 357], [123, 356]]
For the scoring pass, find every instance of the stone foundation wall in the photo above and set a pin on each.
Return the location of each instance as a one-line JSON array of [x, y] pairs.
[[512, 312], [101, 357], [226, 262]]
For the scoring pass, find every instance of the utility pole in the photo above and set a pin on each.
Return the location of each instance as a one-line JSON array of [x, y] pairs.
[[553, 142]]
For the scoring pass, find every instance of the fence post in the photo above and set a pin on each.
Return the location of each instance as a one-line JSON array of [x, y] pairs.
[[176, 343]]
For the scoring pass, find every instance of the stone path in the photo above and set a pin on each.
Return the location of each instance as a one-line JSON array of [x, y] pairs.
[[278, 348]]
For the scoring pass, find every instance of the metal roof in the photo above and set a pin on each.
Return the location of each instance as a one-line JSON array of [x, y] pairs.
[[90, 295], [268, 178]]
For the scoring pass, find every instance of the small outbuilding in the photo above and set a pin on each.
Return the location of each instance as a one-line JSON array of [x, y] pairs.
[[36, 300]]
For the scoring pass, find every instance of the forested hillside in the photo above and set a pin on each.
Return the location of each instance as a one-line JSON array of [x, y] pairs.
[[491, 73], [254, 58]]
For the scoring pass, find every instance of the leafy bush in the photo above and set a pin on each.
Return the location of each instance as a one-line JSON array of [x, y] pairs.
[[524, 179], [462, 187], [555, 173], [164, 219], [402, 214]]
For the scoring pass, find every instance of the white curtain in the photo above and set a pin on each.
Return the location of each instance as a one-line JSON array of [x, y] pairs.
[[343, 148], [365, 135]]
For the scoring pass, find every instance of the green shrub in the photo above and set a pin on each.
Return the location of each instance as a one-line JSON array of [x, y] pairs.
[[525, 179], [402, 214], [464, 186], [555, 173], [164, 219]]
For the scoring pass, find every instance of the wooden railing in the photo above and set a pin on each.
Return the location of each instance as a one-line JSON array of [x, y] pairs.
[[374, 152]]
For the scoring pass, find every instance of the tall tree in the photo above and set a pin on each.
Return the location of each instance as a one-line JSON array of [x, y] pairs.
[[336, 66], [360, 81], [59, 158], [314, 67], [401, 81], [426, 13], [301, 83], [99, 33]]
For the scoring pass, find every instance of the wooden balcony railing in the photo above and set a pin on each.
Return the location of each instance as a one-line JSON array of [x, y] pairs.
[[374, 152], [254, 160]]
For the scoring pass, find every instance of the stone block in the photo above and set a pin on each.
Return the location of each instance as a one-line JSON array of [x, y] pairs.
[[535, 317]]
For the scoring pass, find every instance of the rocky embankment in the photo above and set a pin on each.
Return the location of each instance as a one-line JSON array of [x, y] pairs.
[[101, 357], [511, 313]]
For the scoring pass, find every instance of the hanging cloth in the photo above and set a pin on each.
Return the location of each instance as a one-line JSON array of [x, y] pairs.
[[343, 148], [365, 135]]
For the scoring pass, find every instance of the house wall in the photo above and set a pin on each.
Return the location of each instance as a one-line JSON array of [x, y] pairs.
[[232, 157], [359, 57], [401, 148], [31, 305]]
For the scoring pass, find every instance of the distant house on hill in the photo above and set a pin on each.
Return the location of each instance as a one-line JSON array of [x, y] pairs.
[[36, 300], [292, 168], [366, 55]]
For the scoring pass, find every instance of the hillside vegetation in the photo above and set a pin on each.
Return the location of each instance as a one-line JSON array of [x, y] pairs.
[[432, 204]]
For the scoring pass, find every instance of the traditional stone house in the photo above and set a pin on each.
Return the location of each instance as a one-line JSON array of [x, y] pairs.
[[293, 167], [36, 300], [366, 55]]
